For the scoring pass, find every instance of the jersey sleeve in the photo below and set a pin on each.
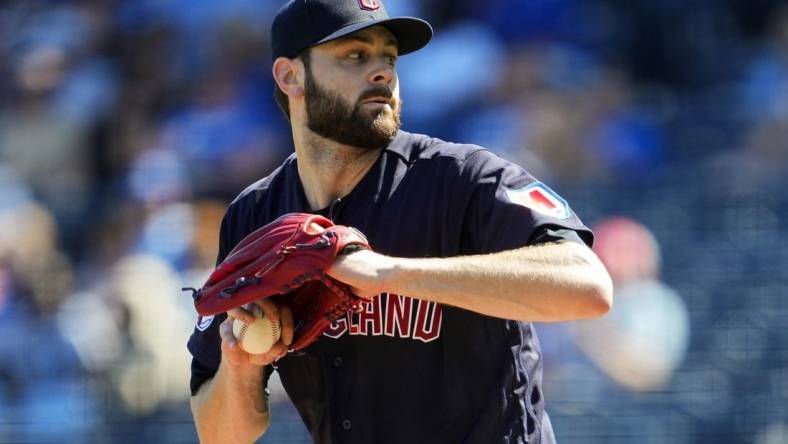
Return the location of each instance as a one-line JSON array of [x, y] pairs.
[[206, 349], [205, 344], [508, 208]]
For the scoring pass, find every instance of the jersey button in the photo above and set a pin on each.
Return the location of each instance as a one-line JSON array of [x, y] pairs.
[[346, 424], [338, 361]]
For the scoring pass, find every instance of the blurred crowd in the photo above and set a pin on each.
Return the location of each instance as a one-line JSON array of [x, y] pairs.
[[126, 127]]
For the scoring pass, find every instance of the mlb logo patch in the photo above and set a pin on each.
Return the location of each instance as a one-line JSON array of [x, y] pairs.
[[369, 5], [538, 197], [203, 322]]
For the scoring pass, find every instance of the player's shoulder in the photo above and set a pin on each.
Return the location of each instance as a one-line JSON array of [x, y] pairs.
[[253, 207], [414, 147], [262, 188]]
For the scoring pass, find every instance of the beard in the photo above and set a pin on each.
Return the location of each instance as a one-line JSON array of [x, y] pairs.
[[332, 117]]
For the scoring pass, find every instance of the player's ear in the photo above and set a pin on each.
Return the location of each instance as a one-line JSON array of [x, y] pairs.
[[286, 76]]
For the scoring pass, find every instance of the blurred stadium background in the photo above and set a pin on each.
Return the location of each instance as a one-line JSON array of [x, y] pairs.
[[127, 126]]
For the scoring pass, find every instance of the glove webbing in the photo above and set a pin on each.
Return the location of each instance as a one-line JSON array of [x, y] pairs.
[[243, 281]]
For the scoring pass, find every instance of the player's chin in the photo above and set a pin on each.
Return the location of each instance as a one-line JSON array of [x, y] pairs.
[[375, 112], [386, 122]]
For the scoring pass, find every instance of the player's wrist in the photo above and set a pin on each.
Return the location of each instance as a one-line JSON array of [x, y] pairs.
[[239, 374], [389, 270]]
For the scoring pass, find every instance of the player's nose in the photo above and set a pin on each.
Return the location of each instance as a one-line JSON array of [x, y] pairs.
[[383, 73]]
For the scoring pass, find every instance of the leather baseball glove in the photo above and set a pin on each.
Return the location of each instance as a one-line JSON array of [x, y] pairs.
[[287, 260]]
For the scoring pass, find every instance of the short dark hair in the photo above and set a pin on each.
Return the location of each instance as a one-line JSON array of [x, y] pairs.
[[281, 98]]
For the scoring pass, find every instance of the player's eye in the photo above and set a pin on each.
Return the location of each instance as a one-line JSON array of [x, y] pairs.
[[392, 60], [357, 56]]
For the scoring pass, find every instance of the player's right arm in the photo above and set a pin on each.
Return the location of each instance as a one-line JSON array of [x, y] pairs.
[[232, 407]]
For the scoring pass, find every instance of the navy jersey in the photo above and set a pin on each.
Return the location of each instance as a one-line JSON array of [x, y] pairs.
[[406, 370]]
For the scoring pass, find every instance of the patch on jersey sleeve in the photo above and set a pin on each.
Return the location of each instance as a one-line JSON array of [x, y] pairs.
[[538, 197], [203, 322]]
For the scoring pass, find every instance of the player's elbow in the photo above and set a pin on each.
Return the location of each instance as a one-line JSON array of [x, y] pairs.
[[599, 300], [595, 295]]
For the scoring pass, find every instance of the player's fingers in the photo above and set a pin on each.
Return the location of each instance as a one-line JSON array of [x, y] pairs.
[[261, 359], [231, 350], [277, 351], [269, 308], [234, 353], [241, 313], [226, 333], [286, 319], [258, 360]]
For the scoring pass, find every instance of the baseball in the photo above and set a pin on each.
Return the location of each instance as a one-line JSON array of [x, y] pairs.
[[257, 337]]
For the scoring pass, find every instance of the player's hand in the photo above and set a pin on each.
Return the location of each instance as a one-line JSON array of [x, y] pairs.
[[231, 348], [365, 271]]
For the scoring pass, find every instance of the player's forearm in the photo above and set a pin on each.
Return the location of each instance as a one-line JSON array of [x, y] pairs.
[[231, 407], [545, 283]]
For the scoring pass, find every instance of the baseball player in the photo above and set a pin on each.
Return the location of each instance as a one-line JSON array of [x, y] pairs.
[[469, 249]]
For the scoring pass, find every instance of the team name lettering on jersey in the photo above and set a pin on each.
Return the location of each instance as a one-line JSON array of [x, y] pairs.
[[392, 315]]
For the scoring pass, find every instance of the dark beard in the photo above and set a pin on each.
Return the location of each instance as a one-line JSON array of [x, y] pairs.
[[330, 116]]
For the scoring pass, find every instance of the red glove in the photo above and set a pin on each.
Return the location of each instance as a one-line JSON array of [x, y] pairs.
[[287, 260]]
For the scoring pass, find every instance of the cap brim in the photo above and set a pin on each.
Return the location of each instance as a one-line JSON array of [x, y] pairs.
[[411, 33]]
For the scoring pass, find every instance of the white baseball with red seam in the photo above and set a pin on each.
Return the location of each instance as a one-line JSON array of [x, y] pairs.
[[259, 336]]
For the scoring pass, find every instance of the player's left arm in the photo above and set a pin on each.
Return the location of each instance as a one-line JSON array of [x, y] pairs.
[[542, 283]]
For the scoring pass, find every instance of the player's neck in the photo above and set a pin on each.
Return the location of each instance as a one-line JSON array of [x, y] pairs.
[[329, 170]]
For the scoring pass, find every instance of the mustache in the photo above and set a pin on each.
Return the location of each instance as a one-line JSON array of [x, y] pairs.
[[380, 91]]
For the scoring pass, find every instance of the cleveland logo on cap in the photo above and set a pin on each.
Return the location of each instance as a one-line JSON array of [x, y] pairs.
[[369, 5]]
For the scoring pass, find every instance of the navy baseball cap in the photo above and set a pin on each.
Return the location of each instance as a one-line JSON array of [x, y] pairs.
[[300, 24]]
